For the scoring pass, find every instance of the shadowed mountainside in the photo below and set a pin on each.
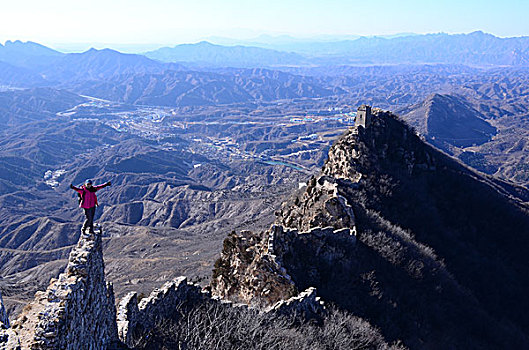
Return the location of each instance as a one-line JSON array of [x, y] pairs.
[[447, 121], [488, 133], [440, 252]]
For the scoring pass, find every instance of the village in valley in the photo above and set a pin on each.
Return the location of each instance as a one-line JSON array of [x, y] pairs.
[[235, 136]]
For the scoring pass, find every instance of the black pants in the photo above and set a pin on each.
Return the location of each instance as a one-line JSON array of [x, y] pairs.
[[89, 222]]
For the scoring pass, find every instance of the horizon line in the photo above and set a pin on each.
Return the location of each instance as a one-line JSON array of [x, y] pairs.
[[234, 41]]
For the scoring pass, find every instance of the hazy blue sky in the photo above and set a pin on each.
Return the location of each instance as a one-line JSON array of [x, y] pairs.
[[176, 21]]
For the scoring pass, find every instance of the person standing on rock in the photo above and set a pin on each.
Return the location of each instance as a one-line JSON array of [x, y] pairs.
[[88, 201]]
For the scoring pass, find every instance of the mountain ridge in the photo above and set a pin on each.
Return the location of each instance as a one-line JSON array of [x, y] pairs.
[[208, 54], [27, 54], [448, 120], [423, 249], [473, 49]]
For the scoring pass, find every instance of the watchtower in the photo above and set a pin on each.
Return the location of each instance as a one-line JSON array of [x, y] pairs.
[[363, 116]]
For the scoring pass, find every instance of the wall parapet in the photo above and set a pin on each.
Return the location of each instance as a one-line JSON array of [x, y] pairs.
[[135, 319], [306, 304]]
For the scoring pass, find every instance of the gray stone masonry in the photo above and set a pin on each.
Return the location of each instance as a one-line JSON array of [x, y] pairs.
[[77, 310], [135, 319], [277, 247], [306, 304], [363, 116]]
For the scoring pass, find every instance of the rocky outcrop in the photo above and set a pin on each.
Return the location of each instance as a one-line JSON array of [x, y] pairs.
[[251, 268], [9, 340], [77, 310], [248, 272], [320, 205], [284, 241]]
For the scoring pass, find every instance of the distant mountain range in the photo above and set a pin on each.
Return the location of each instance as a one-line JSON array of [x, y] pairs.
[[335, 67], [101, 65], [243, 126], [29, 64], [207, 54], [27, 54], [290, 43], [474, 113], [476, 48], [19, 107], [13, 76]]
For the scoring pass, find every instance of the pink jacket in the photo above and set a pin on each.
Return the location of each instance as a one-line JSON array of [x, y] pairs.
[[89, 198]]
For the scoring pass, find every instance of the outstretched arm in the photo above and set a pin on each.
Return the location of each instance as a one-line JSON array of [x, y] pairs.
[[75, 188], [98, 187]]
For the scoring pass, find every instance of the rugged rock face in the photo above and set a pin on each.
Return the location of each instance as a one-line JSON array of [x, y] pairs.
[[251, 270], [321, 205], [423, 247], [77, 310], [247, 273], [9, 340]]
